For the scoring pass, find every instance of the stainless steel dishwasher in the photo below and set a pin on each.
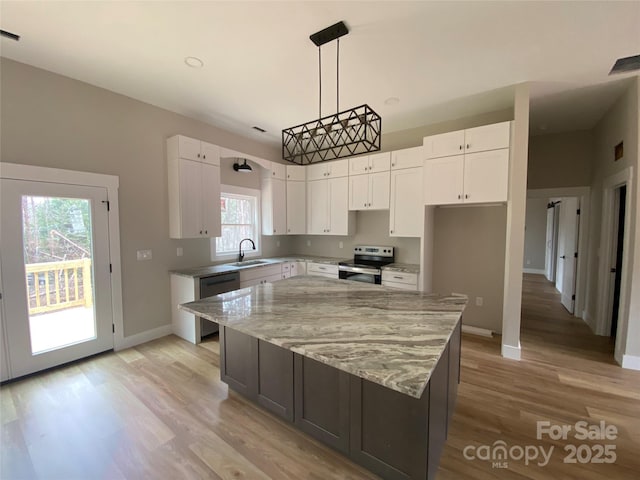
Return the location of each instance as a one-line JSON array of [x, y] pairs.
[[213, 285]]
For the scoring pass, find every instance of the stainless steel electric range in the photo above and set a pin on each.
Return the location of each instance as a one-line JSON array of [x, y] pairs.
[[366, 264]]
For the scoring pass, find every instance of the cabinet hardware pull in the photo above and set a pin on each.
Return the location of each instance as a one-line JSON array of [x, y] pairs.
[[460, 147], [206, 232], [399, 278], [459, 197], [466, 196], [365, 204], [200, 232], [391, 231], [198, 155], [393, 164], [468, 146], [274, 230]]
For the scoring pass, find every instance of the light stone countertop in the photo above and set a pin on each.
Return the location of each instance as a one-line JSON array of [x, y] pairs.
[[388, 336], [218, 269], [402, 267]]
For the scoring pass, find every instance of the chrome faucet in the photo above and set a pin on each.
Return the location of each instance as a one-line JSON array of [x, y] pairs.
[[240, 254]]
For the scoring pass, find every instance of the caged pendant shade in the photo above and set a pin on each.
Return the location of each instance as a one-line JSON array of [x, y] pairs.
[[342, 134]]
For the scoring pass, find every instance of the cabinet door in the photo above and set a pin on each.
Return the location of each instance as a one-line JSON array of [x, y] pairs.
[[317, 171], [275, 379], [407, 158], [238, 361], [406, 211], [296, 208], [274, 207], [443, 180], [278, 171], [210, 200], [379, 191], [339, 168], [317, 206], [338, 206], [380, 162], [296, 172], [444, 144], [359, 192], [188, 148], [191, 198], [358, 165], [210, 153], [486, 176], [487, 137]]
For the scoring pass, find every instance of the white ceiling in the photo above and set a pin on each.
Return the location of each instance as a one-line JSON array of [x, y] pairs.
[[443, 60]]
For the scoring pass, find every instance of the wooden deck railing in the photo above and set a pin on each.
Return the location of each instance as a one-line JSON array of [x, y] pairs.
[[58, 285]]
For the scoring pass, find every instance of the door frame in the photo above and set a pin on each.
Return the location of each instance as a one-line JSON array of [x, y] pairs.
[[31, 173], [603, 318], [583, 194]]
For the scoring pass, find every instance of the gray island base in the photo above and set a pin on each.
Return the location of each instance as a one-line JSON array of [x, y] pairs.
[[370, 371]]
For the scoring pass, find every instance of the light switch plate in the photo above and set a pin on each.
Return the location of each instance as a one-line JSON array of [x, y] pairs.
[[179, 251], [144, 255], [308, 243], [340, 245], [277, 243], [479, 301]]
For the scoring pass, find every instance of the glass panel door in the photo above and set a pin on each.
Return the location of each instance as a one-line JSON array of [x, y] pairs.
[[55, 273]]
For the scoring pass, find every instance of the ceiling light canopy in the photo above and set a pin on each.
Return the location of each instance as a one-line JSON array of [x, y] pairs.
[[242, 168], [342, 134], [193, 62]]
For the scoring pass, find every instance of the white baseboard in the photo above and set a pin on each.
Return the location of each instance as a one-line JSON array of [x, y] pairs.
[[510, 352], [537, 271], [143, 337], [483, 332], [632, 362]]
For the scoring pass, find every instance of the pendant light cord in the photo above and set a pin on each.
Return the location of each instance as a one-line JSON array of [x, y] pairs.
[[320, 82], [338, 77]]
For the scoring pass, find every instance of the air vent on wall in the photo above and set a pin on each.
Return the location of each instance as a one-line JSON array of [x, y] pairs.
[[627, 64], [10, 35]]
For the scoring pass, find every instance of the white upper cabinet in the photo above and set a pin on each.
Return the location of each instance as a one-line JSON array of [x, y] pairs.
[[476, 171], [275, 170], [328, 207], [369, 192], [487, 137], [296, 207], [296, 173], [379, 162], [274, 206], [407, 158], [318, 171], [194, 188], [180, 146], [478, 139], [406, 211]]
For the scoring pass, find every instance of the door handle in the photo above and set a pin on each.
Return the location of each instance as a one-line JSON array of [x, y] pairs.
[[563, 257], [613, 270]]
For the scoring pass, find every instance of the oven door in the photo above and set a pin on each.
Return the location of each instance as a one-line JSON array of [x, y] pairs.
[[360, 275]]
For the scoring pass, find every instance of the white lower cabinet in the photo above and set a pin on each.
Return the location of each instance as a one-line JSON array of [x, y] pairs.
[[406, 211], [259, 275], [322, 270], [401, 280], [328, 207]]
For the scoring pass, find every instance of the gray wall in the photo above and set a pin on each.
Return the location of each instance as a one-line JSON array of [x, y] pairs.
[[560, 160], [54, 121], [535, 235], [469, 247]]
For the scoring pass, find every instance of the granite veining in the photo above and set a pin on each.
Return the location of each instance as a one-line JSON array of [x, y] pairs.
[[211, 270], [402, 267], [388, 336]]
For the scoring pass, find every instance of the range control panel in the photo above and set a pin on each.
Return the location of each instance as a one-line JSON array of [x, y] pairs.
[[371, 250]]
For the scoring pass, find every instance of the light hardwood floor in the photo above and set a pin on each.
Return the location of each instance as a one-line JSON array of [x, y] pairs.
[[160, 411]]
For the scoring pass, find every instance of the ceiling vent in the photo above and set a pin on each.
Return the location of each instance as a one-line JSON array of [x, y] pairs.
[[261, 130], [627, 64]]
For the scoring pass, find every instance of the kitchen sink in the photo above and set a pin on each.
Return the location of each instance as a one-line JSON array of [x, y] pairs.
[[248, 263]]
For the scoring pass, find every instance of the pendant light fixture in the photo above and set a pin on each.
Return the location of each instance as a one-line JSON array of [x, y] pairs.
[[342, 134]]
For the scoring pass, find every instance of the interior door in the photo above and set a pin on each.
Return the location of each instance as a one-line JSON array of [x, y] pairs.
[[569, 225], [55, 273]]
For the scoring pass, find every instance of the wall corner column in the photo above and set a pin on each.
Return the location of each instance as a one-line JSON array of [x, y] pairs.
[[516, 209]]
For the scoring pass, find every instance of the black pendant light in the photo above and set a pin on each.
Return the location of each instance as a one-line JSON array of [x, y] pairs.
[[343, 134], [242, 168]]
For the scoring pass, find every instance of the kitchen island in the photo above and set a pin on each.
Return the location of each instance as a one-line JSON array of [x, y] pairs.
[[368, 370]]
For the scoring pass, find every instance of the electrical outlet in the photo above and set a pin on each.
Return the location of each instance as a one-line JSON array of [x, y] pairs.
[[179, 251], [340, 245], [143, 255], [277, 243], [528, 261], [479, 301], [308, 243]]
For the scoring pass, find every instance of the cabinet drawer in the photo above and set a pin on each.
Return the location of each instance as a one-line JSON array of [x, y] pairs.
[[400, 286], [260, 272], [400, 277], [322, 269]]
